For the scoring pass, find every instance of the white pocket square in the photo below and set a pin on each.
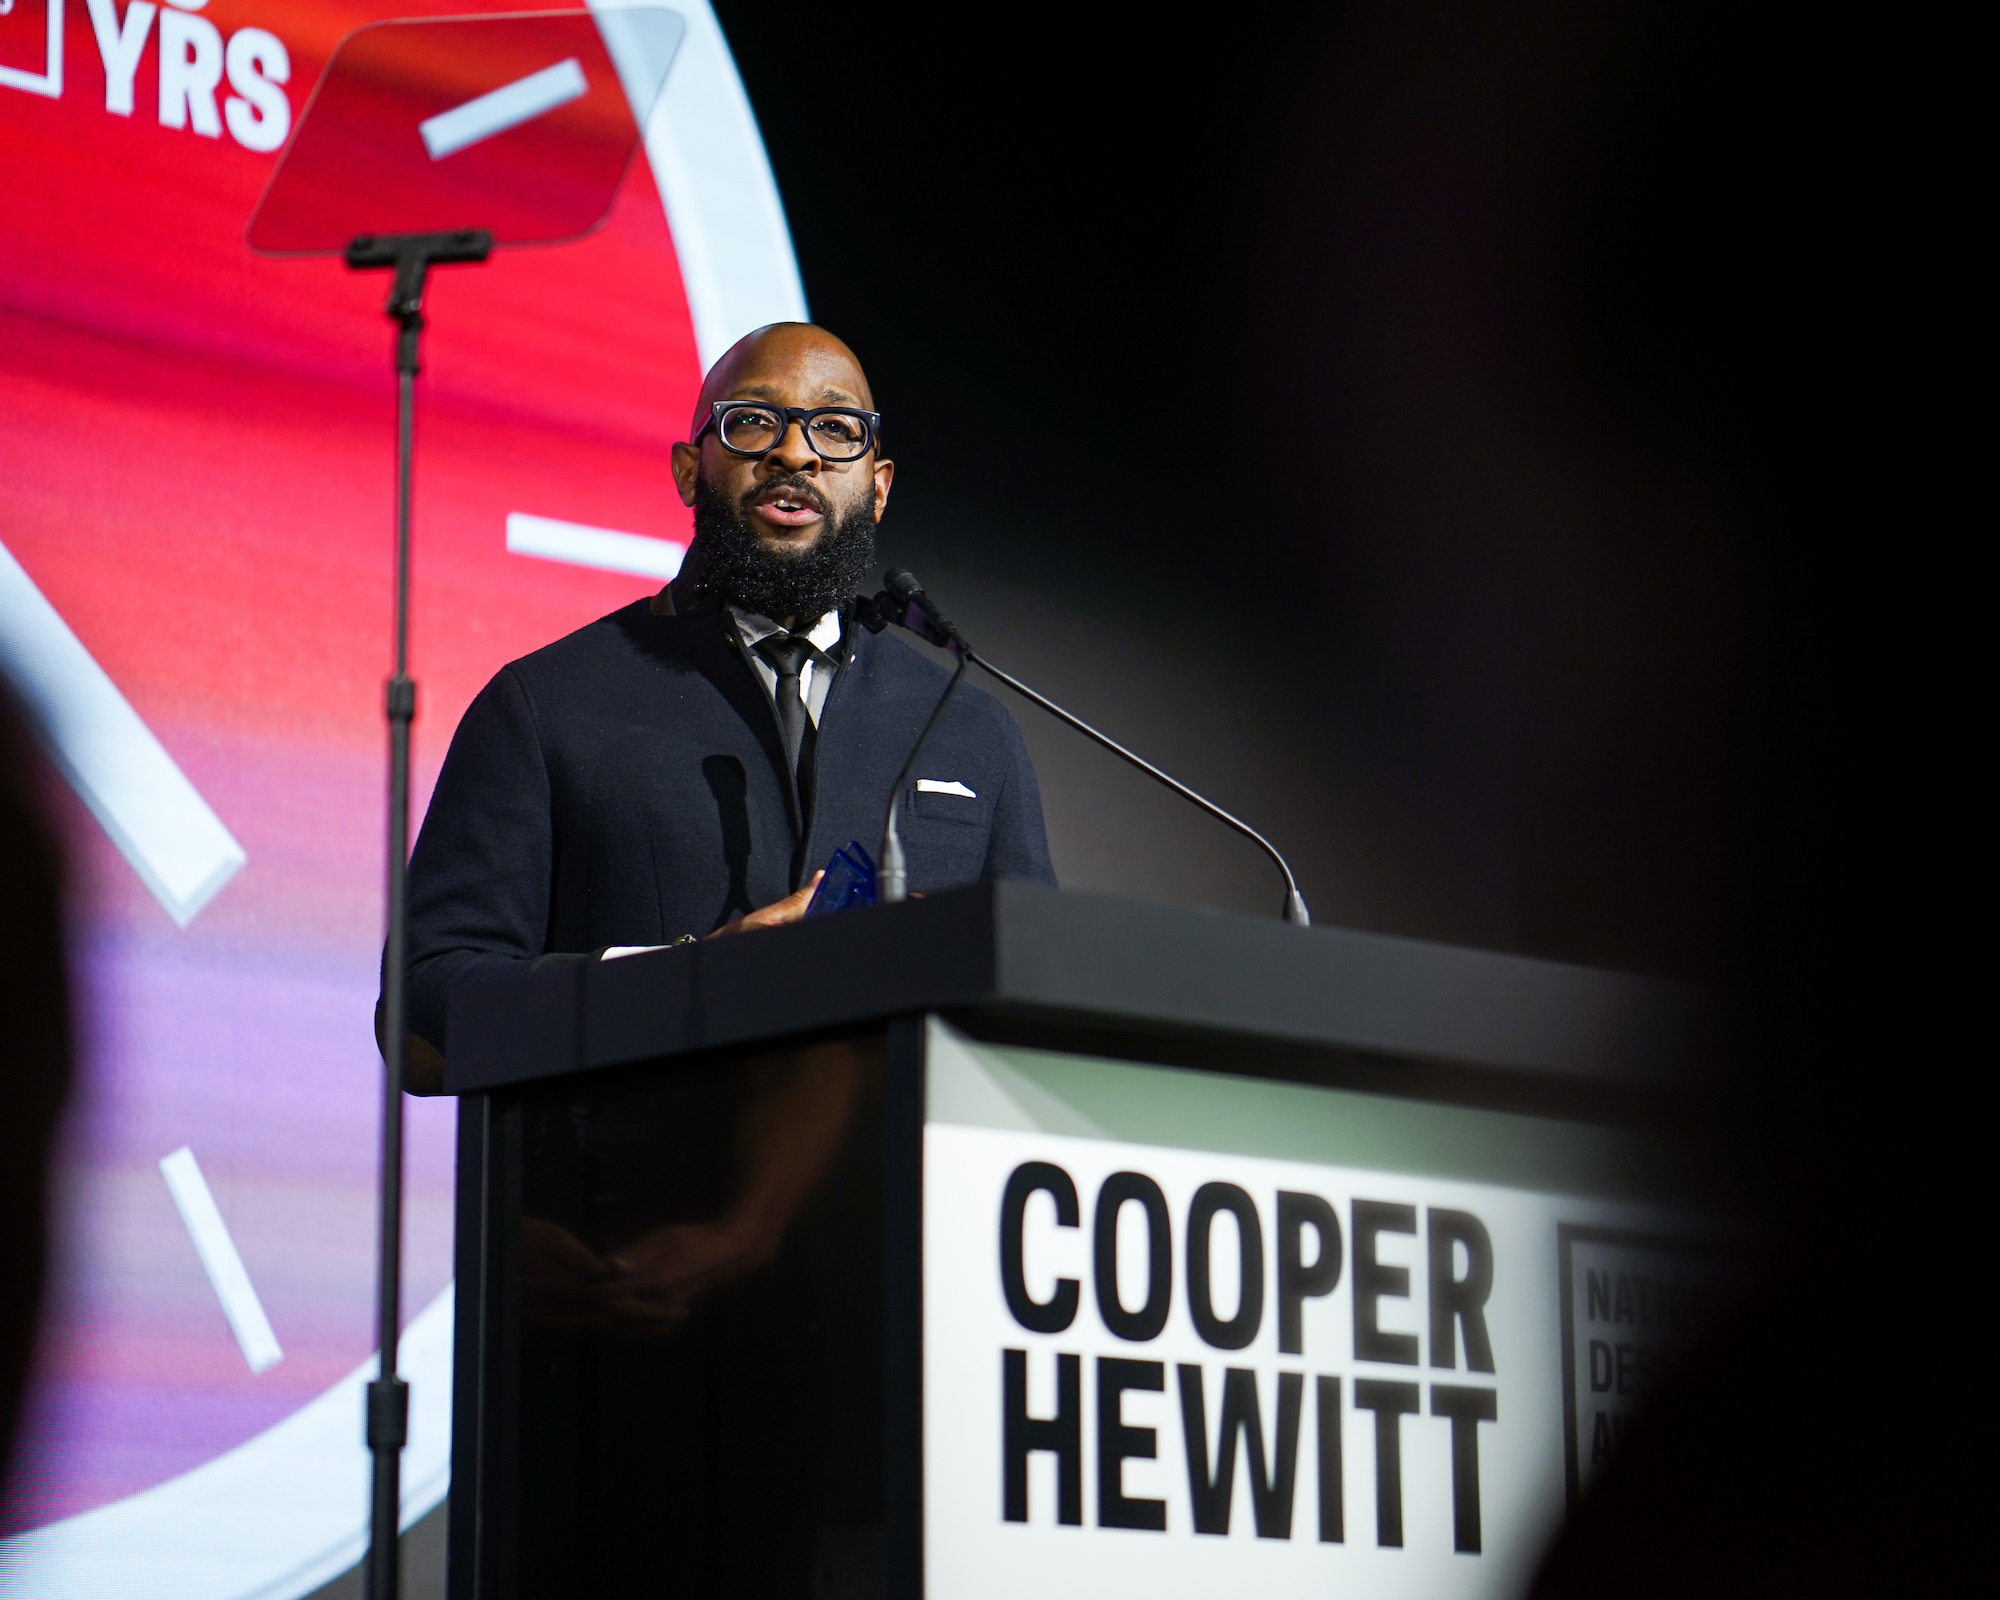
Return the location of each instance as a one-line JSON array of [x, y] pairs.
[[941, 786]]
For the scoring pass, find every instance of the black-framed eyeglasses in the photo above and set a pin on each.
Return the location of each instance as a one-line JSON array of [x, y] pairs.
[[750, 428]]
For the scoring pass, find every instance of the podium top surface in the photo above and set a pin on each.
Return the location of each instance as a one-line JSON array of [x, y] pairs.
[[1034, 965]]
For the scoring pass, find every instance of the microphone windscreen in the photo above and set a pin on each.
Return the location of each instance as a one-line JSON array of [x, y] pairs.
[[901, 584]]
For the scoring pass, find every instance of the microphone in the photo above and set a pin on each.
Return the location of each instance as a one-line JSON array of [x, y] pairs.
[[931, 623], [905, 604]]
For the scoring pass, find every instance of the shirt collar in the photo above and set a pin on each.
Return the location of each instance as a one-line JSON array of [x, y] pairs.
[[754, 627]]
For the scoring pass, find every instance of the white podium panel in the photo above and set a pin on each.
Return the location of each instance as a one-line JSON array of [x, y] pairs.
[[1188, 1334]]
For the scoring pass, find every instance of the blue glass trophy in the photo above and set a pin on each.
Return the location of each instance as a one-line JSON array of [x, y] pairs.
[[849, 882]]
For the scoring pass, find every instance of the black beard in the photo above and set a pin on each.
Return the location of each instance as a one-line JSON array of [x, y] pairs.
[[735, 564]]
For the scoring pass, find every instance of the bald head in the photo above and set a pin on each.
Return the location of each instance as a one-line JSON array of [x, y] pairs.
[[772, 515], [782, 359]]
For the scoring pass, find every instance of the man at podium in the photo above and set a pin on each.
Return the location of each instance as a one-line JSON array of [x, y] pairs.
[[679, 768]]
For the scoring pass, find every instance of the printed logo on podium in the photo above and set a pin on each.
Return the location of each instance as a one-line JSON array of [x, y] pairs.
[[1186, 1337], [1631, 1302]]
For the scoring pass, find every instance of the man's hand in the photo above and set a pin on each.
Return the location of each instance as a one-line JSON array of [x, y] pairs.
[[566, 1284], [670, 1268], [779, 912]]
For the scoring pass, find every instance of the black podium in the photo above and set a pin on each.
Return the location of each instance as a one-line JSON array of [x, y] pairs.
[[1019, 1242]]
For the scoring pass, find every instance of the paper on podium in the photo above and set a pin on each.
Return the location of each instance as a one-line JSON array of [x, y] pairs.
[[521, 124]]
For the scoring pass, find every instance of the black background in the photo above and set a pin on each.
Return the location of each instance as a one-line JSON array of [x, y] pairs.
[[1462, 439], [1385, 416], [1491, 448]]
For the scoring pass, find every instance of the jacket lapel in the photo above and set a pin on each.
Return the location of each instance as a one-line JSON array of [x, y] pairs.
[[716, 651]]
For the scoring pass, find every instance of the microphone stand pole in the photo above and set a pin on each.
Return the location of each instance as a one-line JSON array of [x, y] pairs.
[[892, 877], [410, 256]]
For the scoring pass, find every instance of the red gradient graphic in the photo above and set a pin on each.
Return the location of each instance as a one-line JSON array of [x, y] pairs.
[[198, 447]]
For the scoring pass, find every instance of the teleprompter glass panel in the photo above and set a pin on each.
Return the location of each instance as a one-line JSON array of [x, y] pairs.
[[522, 125], [697, 1324]]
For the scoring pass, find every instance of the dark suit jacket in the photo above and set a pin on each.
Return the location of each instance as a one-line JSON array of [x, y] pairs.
[[628, 784]]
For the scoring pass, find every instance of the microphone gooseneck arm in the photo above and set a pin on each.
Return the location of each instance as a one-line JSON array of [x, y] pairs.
[[920, 614], [892, 872], [1295, 905]]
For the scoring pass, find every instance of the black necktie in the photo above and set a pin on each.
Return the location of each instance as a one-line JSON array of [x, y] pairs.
[[788, 654]]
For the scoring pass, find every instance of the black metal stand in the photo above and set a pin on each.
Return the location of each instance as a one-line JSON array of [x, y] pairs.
[[410, 256]]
